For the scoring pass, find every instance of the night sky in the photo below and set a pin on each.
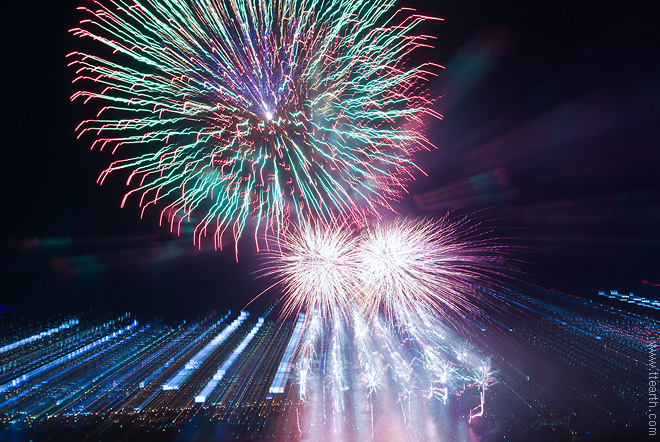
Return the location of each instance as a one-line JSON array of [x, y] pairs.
[[549, 131]]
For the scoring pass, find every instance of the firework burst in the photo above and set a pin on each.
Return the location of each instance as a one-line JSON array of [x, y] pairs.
[[317, 270], [390, 283], [410, 268], [230, 112]]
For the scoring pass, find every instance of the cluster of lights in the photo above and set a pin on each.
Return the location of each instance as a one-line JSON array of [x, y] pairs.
[[35, 337], [404, 269]]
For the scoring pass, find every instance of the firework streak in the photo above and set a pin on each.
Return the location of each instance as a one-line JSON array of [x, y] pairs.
[[404, 269], [375, 296], [255, 111]]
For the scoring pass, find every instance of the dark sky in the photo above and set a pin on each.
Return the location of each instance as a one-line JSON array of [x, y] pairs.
[[549, 129]]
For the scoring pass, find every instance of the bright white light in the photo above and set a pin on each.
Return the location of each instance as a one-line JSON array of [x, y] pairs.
[[317, 271], [269, 115]]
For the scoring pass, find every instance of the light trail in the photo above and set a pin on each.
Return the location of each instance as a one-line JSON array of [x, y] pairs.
[[483, 379], [179, 353], [632, 299], [196, 361], [68, 357], [85, 388], [217, 377], [283, 370], [359, 378], [63, 326]]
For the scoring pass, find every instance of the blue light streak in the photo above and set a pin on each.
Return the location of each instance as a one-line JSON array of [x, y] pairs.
[[283, 370], [74, 354], [196, 361], [13, 345], [217, 377]]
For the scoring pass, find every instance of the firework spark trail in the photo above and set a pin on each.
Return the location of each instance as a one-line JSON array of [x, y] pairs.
[[394, 372], [452, 364], [405, 269], [483, 379], [388, 284], [307, 352], [401, 370], [412, 267], [267, 111], [336, 378], [441, 373], [317, 269]]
